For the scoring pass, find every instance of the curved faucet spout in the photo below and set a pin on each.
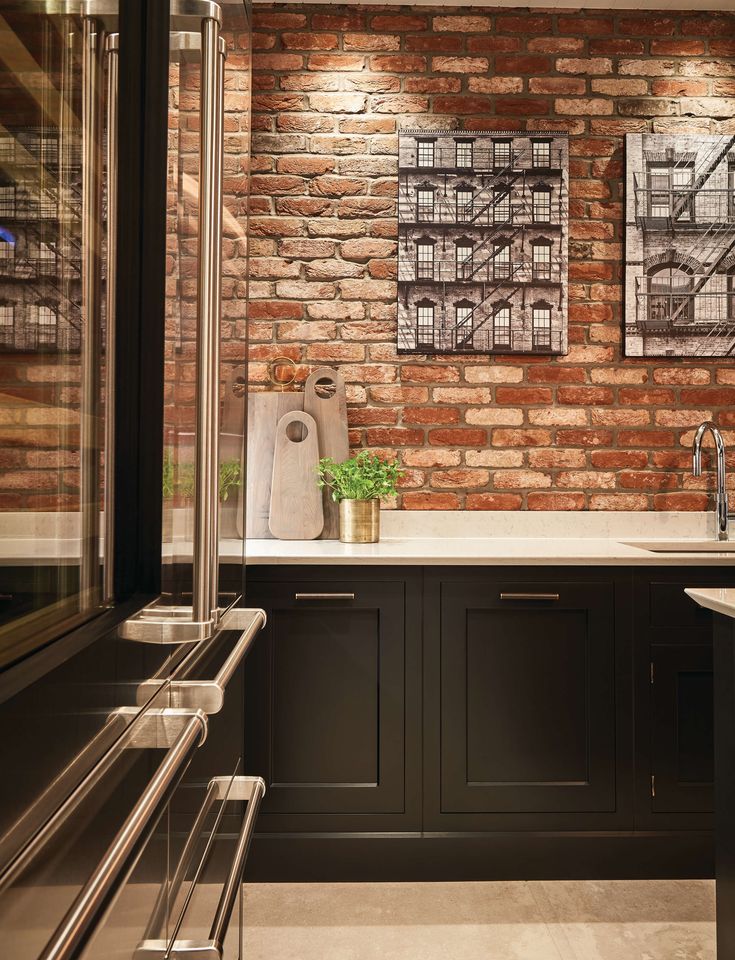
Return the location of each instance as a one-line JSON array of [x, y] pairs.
[[721, 506]]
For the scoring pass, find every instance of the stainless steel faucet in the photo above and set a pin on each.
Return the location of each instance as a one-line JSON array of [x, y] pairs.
[[722, 515]]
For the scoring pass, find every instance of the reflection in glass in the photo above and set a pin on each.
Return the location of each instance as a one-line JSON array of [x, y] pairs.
[[51, 322]]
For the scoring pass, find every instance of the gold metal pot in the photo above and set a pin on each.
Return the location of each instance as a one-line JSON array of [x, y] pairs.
[[359, 521]]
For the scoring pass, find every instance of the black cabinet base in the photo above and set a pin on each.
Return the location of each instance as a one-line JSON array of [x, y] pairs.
[[497, 856]]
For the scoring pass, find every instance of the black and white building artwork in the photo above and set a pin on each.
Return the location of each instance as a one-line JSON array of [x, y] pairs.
[[483, 237], [680, 246]]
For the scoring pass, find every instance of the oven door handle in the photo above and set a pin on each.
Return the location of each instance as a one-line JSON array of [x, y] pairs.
[[222, 790], [102, 888]]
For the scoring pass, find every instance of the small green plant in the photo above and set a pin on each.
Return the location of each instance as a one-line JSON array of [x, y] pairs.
[[363, 477], [180, 479]]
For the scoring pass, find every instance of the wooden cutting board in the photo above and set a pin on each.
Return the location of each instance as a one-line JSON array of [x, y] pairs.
[[264, 412], [324, 399], [296, 500]]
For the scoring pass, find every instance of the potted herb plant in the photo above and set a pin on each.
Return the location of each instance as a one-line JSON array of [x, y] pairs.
[[358, 485]]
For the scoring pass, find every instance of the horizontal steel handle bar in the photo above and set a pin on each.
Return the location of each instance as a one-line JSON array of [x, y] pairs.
[[209, 695], [324, 596], [529, 596], [99, 892], [126, 729]]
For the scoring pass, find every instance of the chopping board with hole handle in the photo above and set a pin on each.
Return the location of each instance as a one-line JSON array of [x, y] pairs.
[[296, 500], [325, 400], [265, 409]]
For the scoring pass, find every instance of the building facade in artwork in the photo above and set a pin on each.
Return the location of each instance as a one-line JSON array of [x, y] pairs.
[[680, 246], [483, 236]]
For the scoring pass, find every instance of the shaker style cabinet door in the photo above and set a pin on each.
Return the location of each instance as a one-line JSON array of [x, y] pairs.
[[526, 702], [329, 707], [682, 729]]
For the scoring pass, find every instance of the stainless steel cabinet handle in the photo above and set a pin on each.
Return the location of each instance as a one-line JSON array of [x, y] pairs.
[[153, 947], [112, 50], [324, 596], [208, 695], [99, 892], [529, 596]]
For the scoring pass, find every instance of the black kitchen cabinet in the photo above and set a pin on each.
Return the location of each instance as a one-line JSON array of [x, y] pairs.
[[473, 722], [674, 699], [332, 703], [521, 704]]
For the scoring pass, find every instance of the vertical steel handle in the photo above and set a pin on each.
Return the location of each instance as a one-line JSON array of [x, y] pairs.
[[112, 47], [230, 890], [206, 468], [93, 49]]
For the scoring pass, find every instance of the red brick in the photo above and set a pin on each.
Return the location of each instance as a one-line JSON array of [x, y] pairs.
[[527, 25], [397, 23], [461, 24], [676, 48], [440, 43], [458, 437], [681, 501], [310, 41], [520, 106], [549, 374], [395, 437], [494, 501], [611, 459], [277, 21], [646, 438], [557, 45], [648, 26], [465, 477], [711, 25], [398, 63], [492, 44], [523, 63], [430, 501], [589, 25], [556, 85], [522, 395], [521, 438], [647, 480], [556, 501], [615, 46], [345, 20], [714, 396], [584, 395], [679, 88], [585, 438], [430, 415]]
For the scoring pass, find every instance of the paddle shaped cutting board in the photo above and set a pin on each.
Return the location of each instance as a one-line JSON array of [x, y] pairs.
[[264, 411], [324, 399], [296, 500]]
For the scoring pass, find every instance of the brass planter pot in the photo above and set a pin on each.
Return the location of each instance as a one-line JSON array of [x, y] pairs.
[[359, 521]]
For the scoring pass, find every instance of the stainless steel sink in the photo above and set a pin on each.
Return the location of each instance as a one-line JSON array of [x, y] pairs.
[[683, 546]]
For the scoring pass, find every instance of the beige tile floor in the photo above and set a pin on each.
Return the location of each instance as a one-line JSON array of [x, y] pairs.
[[559, 920]]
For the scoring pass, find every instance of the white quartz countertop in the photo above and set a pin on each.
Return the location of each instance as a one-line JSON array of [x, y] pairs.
[[719, 599], [528, 551], [416, 538]]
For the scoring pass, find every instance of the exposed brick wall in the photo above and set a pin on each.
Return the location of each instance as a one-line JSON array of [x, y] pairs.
[[333, 84]]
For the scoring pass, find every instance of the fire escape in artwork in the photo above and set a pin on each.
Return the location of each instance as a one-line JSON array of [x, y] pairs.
[[685, 207], [482, 236]]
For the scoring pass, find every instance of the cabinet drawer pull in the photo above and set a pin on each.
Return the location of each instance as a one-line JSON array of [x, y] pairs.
[[324, 596], [529, 596]]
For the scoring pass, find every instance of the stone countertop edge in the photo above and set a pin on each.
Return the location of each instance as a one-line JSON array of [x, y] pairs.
[[718, 599], [480, 551]]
